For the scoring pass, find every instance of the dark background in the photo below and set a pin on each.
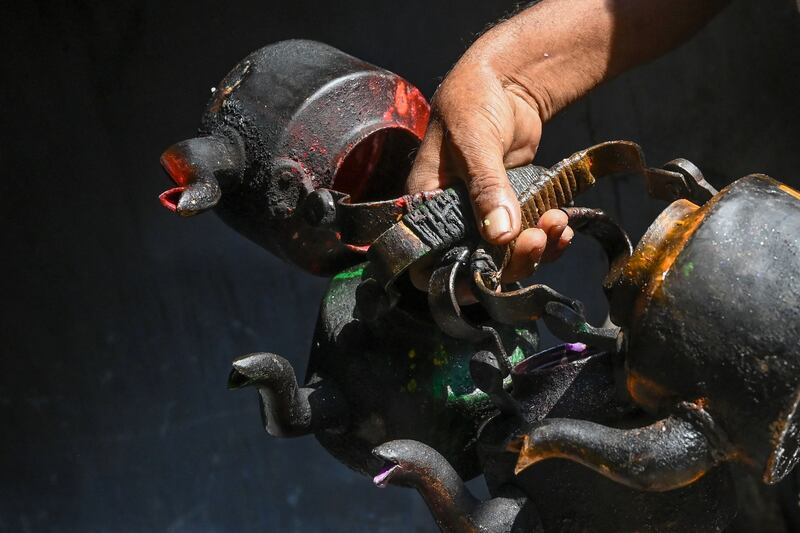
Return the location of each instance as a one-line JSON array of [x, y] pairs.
[[120, 320]]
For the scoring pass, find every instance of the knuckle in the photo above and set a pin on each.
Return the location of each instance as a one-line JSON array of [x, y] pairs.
[[487, 188]]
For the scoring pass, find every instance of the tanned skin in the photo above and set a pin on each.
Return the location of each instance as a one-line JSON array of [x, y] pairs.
[[487, 114]]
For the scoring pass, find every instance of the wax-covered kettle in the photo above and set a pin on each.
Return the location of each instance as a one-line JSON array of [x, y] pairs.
[[709, 309]]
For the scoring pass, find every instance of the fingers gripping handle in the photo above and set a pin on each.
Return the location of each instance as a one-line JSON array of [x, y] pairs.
[[540, 189], [435, 225]]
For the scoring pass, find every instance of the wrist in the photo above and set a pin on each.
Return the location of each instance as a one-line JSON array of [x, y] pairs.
[[547, 69]]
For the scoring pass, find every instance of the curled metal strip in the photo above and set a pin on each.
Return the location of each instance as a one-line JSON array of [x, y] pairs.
[[518, 307], [564, 317], [442, 298], [571, 326], [447, 312], [595, 223]]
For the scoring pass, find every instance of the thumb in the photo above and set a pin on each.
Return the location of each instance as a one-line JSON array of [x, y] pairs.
[[493, 200]]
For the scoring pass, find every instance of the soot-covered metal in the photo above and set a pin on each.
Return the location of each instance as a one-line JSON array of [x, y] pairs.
[[304, 149]]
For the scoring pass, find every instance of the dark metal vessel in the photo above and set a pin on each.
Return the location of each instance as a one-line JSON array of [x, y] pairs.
[[291, 118], [304, 150], [372, 381], [565, 381], [710, 308]]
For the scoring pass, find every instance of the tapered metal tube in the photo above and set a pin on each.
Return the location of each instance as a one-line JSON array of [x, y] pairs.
[[414, 464], [197, 166], [666, 455], [452, 505], [287, 409]]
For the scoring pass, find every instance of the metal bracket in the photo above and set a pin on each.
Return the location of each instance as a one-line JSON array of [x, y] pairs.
[[680, 178]]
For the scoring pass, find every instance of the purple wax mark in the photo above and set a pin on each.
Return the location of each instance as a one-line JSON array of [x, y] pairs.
[[575, 347], [382, 479]]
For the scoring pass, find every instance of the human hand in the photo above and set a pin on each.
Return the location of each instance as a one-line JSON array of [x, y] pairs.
[[487, 114], [481, 124]]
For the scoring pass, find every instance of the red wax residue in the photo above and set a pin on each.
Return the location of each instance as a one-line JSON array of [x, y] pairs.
[[400, 100], [400, 104], [170, 198], [357, 248], [177, 167], [409, 109]]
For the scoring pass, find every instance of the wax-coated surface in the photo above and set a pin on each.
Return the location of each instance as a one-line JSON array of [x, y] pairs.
[[120, 320]]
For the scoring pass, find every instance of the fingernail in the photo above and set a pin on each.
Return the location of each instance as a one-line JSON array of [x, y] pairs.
[[497, 223], [566, 237]]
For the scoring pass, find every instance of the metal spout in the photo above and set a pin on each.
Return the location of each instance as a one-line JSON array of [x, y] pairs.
[[669, 454], [198, 166], [287, 409], [414, 464]]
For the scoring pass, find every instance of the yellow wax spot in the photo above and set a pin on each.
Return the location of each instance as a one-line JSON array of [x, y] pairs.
[[789, 190]]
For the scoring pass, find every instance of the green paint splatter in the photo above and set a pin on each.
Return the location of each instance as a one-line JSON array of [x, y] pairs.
[[517, 355], [687, 269], [475, 397], [470, 398], [355, 272], [465, 393]]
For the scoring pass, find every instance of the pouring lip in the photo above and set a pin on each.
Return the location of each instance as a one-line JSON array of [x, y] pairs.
[[170, 197], [546, 360]]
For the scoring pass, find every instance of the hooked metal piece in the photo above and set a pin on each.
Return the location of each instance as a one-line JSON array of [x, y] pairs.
[[443, 301], [570, 325], [680, 178]]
